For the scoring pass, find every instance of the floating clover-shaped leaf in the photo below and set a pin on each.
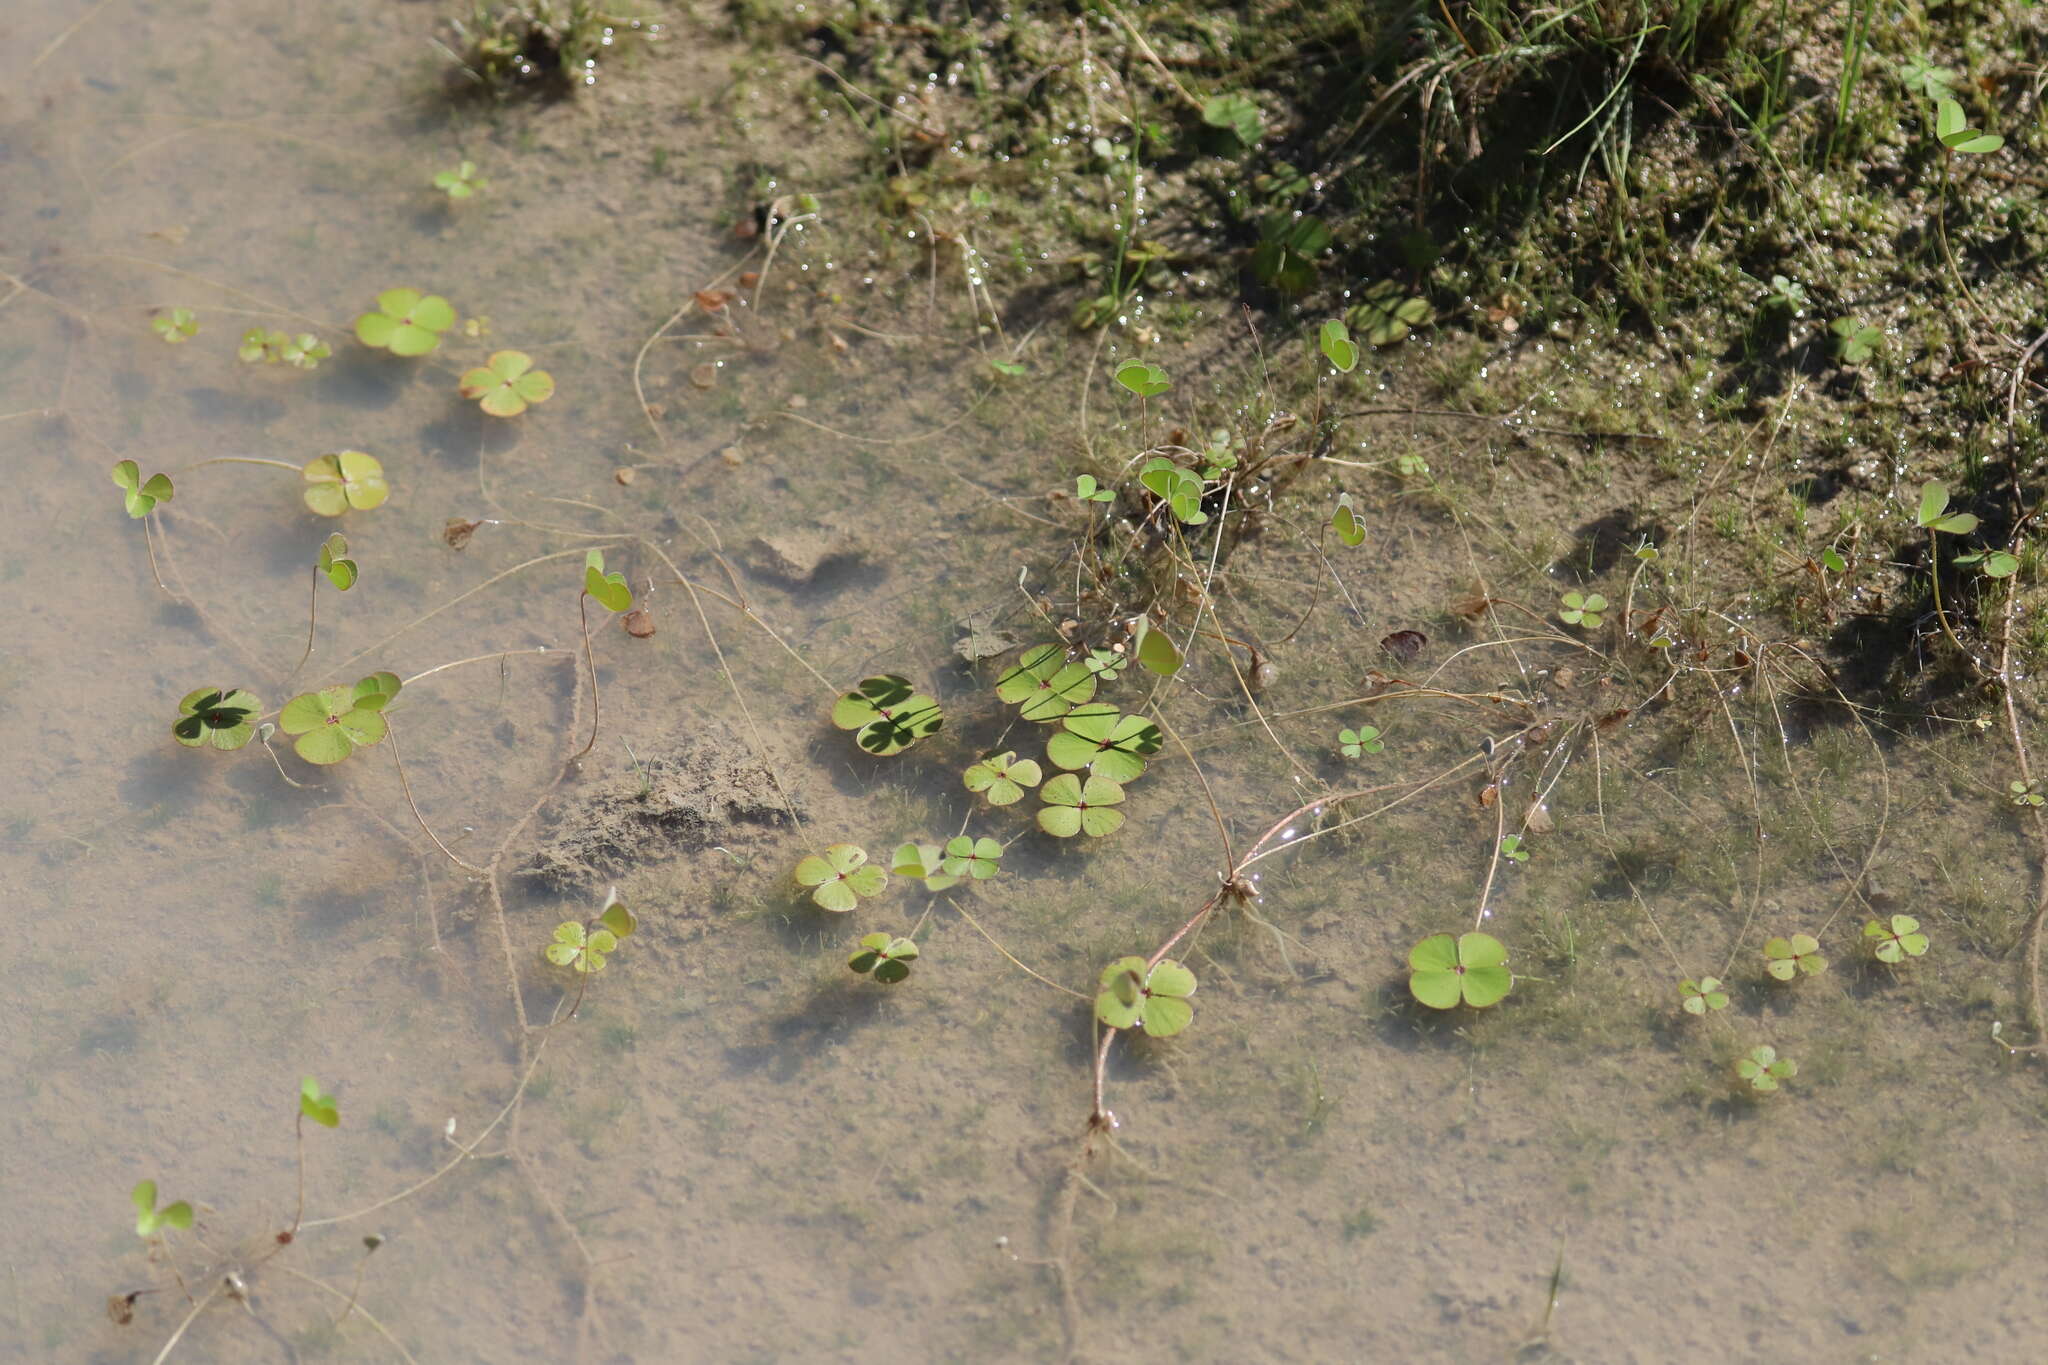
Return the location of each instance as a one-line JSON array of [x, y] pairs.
[[1511, 847], [1104, 741], [1798, 955], [1142, 379], [347, 479], [1702, 995], [1385, 313], [1087, 490], [887, 714], [923, 862], [1364, 740], [1043, 685], [1581, 609], [842, 876], [335, 564], [149, 1219], [580, 948], [886, 959], [1470, 969], [1957, 135], [332, 723], [175, 324], [216, 717], [317, 1105], [140, 498], [406, 322], [1340, 350], [978, 859], [507, 383], [1763, 1068], [1178, 488], [304, 352], [1897, 940], [1855, 340], [1237, 114], [1934, 514], [1154, 999], [2026, 793], [461, 182], [1344, 521], [1003, 777], [1107, 664], [1073, 807]]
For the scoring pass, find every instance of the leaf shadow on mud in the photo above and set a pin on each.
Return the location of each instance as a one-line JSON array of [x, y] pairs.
[[783, 1044]]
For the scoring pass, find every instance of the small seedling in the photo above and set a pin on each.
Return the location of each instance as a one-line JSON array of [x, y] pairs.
[[175, 325], [151, 1220], [1073, 807], [842, 876], [1763, 1068], [1107, 664], [1933, 514], [1896, 940], [1236, 114], [1179, 489], [1511, 848], [1799, 955], [1357, 743], [333, 564], [1337, 346], [2026, 793], [140, 497], [1044, 686], [609, 590], [1385, 313], [302, 352], [1786, 296], [581, 949], [1002, 778], [886, 714], [406, 322], [1344, 521], [460, 183], [1154, 999], [975, 859], [1087, 490], [1957, 135], [1104, 741], [1411, 466], [317, 1105], [507, 383], [1470, 969], [1581, 609], [1855, 341], [217, 718], [884, 958], [1703, 995], [346, 480], [1144, 380], [334, 722]]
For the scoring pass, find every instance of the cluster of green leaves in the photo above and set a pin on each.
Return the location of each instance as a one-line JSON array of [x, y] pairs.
[[1043, 685], [335, 565], [1153, 998], [1854, 340], [885, 958], [1471, 969], [1698, 997], [175, 325], [334, 722], [607, 589], [1953, 129], [1179, 488], [460, 183], [1896, 940], [268, 346], [344, 481], [1107, 743], [1146, 381], [1344, 521], [151, 1220], [1288, 250], [1087, 490], [216, 717], [1581, 609], [1357, 743], [583, 945], [2025, 793], [138, 495], [405, 322], [1076, 807], [1799, 955], [841, 876], [1513, 849], [1763, 1069], [1385, 313], [1002, 778], [507, 383], [317, 1105], [887, 714]]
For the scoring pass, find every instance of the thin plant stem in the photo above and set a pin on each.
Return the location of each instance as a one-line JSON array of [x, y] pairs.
[[391, 733], [583, 615], [1934, 577], [239, 459], [177, 1336], [312, 619], [149, 544]]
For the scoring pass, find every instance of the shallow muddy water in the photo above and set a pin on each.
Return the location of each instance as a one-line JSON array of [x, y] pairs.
[[737, 1150]]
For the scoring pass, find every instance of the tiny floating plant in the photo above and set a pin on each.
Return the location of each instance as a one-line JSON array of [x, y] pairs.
[[461, 183], [887, 714], [138, 495], [1106, 742], [1366, 739], [1002, 778], [1698, 997], [334, 722], [175, 325], [1074, 807], [343, 481], [842, 876], [583, 946], [1152, 998], [883, 958], [1581, 609], [150, 1221], [302, 352], [216, 718], [609, 590], [1896, 940], [1763, 1069], [406, 322], [1470, 969], [1043, 686], [1799, 955], [333, 564], [924, 863], [972, 859], [506, 384]]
